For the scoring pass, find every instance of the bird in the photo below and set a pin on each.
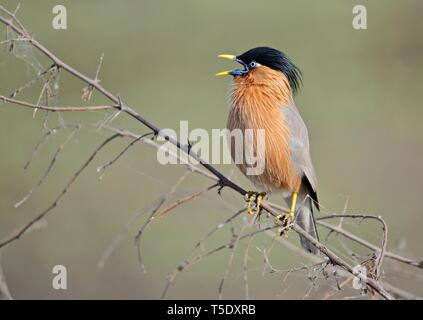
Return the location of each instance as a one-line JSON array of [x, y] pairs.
[[262, 97]]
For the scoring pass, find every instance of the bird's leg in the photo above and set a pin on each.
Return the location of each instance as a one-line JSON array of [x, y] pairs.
[[260, 198], [288, 217], [256, 198], [250, 197]]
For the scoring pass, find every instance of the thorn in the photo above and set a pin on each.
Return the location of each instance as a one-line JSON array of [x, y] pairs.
[[221, 186], [120, 104], [189, 144]]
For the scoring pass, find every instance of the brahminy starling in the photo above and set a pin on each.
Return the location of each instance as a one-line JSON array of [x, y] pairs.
[[262, 97]]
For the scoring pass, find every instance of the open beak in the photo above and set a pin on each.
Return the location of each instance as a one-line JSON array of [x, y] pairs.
[[229, 57]]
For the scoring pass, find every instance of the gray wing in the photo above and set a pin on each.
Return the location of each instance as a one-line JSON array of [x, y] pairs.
[[299, 144]]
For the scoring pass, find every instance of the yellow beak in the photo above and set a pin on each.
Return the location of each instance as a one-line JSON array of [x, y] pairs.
[[229, 57]]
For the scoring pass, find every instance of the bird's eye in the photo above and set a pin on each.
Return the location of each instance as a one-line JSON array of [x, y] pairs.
[[253, 64]]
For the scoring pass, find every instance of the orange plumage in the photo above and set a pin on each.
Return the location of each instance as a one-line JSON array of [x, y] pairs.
[[256, 99]]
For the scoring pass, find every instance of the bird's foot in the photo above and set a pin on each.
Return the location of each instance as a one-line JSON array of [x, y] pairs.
[[286, 221], [254, 200]]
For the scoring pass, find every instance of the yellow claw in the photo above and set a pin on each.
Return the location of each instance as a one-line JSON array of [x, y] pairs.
[[279, 218], [256, 198], [251, 199], [258, 202], [286, 221], [289, 217]]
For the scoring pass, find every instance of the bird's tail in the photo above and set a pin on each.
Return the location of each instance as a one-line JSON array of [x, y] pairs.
[[305, 219]]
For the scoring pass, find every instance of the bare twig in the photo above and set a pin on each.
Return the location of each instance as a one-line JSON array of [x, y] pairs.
[[245, 269], [394, 291], [233, 246], [54, 109], [103, 167], [43, 139], [55, 203], [381, 253], [374, 284], [188, 260], [183, 200], [31, 81], [108, 252], [87, 91], [119, 237], [50, 166], [188, 263], [142, 229], [353, 237], [15, 19]]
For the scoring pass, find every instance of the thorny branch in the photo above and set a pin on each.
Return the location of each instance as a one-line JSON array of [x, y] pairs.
[[16, 235], [381, 253], [207, 170], [54, 109], [50, 166]]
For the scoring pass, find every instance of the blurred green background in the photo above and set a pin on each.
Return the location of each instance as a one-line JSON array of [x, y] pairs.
[[362, 102]]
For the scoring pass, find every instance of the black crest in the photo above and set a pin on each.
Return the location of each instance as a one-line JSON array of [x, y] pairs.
[[275, 60]]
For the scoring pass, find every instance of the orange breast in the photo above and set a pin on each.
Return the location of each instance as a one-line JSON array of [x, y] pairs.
[[256, 99]]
